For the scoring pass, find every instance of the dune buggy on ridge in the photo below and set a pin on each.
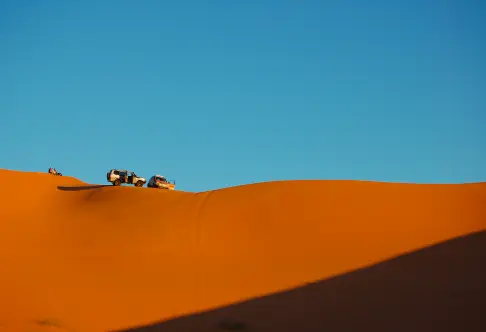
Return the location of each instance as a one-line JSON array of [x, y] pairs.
[[159, 181]]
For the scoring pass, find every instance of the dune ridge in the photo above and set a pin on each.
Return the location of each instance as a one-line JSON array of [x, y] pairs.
[[83, 257]]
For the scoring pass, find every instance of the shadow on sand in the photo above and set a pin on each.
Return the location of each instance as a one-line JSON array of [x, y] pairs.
[[78, 188], [439, 288]]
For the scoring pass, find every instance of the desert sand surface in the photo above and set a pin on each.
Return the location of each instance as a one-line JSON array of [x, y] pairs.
[[275, 256]]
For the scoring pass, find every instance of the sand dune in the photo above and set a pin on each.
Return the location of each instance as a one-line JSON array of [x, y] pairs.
[[82, 257]]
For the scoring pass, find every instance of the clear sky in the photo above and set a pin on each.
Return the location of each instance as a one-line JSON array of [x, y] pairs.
[[221, 93]]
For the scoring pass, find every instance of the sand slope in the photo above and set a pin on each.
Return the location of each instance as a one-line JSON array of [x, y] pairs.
[[78, 257], [438, 288]]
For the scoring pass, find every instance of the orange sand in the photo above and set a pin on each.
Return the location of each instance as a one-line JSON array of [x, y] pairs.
[[110, 258]]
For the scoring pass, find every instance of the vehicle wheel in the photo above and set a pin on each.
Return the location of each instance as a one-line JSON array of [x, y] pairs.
[[116, 182], [139, 184]]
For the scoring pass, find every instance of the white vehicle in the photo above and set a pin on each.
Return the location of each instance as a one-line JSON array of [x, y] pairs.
[[119, 176], [159, 181]]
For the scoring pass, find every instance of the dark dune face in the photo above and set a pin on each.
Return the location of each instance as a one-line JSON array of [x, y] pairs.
[[438, 288]]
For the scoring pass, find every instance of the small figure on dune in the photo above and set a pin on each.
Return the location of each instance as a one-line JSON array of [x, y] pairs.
[[53, 171]]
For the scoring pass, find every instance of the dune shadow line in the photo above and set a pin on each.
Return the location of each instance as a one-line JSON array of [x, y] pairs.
[[438, 288], [78, 188]]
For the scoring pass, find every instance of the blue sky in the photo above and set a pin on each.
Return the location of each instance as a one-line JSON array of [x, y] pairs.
[[222, 93]]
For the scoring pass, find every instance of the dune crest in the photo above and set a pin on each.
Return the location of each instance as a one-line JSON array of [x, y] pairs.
[[86, 257]]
